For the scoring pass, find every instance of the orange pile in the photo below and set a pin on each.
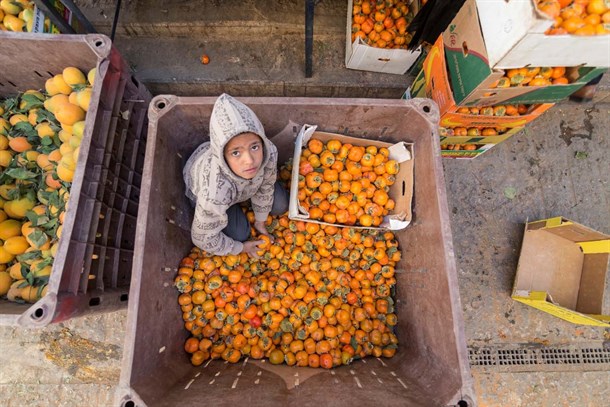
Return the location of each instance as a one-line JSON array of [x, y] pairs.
[[319, 296], [381, 24], [577, 17], [346, 184]]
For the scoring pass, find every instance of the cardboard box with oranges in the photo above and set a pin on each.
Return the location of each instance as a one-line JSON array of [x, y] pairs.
[[488, 37], [401, 191]]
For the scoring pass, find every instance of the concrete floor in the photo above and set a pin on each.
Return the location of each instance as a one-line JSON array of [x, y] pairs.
[[557, 166]]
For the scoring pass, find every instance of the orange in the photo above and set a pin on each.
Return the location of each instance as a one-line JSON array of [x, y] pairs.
[[596, 7]]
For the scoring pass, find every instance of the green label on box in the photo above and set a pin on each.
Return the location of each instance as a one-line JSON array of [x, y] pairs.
[[418, 87], [466, 71]]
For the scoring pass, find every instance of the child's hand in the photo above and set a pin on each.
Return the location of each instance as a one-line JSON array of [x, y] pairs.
[[251, 247], [260, 228]]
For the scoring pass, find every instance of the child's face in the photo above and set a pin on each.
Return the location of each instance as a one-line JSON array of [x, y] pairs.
[[244, 154]]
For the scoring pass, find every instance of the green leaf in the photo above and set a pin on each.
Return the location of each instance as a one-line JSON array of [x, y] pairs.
[[353, 343], [31, 102], [510, 192], [43, 115], [46, 262], [30, 279], [25, 270], [24, 129], [32, 217], [10, 104], [50, 224], [41, 287], [23, 284], [56, 200], [14, 194], [20, 173], [46, 141], [56, 140], [38, 237], [44, 280], [34, 254], [581, 155]]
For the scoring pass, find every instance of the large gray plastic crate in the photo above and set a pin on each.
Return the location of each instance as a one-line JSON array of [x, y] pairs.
[[92, 269], [431, 366]]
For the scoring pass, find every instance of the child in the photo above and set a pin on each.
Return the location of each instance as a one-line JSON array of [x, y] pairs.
[[237, 164]]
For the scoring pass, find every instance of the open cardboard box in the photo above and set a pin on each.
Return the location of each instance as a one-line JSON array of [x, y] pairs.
[[433, 82], [361, 56], [474, 50], [401, 191], [562, 271]]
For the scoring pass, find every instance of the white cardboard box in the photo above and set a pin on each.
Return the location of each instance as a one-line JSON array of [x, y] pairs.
[[363, 57], [513, 31], [401, 191]]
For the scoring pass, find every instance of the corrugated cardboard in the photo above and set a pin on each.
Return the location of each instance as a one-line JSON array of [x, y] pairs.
[[464, 154], [433, 82], [562, 270], [362, 57], [401, 191]]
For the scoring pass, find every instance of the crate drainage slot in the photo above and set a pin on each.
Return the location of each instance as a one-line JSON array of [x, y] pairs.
[[538, 358]]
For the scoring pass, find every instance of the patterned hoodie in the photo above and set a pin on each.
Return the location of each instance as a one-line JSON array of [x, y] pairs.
[[214, 187]]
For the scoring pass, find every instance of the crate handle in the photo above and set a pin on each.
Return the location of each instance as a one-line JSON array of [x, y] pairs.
[[160, 105], [100, 44]]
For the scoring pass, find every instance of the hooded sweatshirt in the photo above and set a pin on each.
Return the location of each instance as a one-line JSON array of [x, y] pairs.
[[214, 187]]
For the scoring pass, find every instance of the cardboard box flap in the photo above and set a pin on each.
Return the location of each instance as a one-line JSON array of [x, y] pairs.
[[294, 207], [592, 284], [592, 52], [504, 22], [550, 263], [576, 233], [284, 141]]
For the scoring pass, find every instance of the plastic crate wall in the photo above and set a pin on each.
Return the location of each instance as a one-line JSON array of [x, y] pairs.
[[92, 268]]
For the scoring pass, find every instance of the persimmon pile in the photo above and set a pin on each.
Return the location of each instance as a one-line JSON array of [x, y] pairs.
[[472, 131], [497, 110], [346, 184], [462, 147], [40, 136], [577, 17], [381, 23], [318, 296], [533, 76]]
